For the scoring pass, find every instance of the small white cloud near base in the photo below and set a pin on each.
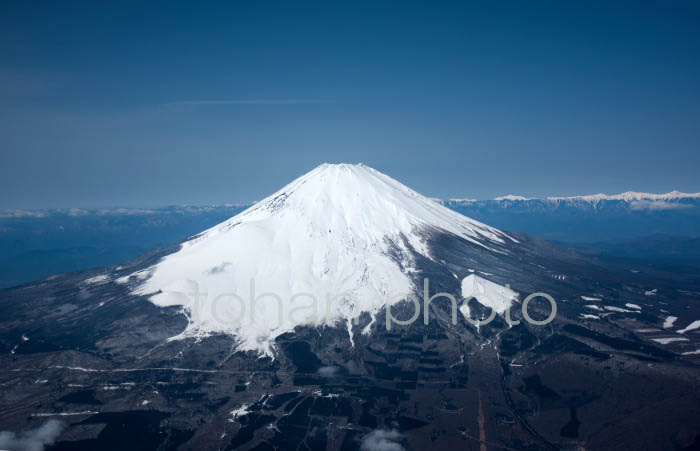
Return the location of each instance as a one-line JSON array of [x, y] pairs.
[[32, 440], [382, 440]]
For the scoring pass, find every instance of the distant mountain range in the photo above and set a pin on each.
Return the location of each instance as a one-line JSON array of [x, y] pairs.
[[37, 243], [635, 200], [593, 218], [629, 196]]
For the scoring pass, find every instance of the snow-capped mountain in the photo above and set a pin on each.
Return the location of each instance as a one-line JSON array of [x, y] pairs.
[[340, 230], [110, 351]]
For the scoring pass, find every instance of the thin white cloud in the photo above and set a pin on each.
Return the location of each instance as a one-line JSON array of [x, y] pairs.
[[246, 102]]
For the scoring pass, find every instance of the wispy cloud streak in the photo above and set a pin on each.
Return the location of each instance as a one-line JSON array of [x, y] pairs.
[[247, 102]]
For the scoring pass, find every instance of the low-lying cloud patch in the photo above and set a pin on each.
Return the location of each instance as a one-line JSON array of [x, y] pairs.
[[657, 205], [382, 440], [32, 440]]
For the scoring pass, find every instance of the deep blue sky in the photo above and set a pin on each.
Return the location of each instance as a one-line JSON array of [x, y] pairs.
[[139, 103]]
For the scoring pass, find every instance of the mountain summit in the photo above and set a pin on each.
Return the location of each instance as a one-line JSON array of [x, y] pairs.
[[340, 231]]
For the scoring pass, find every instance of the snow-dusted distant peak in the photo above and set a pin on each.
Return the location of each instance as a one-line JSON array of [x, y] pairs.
[[512, 198], [341, 230], [629, 196]]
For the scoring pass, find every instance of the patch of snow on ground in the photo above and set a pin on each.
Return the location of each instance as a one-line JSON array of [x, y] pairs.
[[692, 326], [697, 351], [489, 294], [241, 411], [594, 307], [634, 306], [651, 292], [668, 322], [665, 341], [138, 276], [612, 308], [587, 316], [63, 414], [97, 279], [588, 298]]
